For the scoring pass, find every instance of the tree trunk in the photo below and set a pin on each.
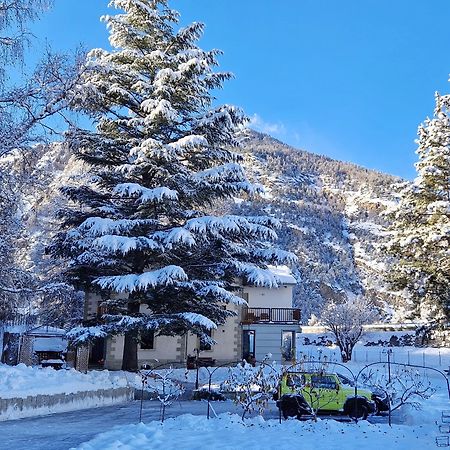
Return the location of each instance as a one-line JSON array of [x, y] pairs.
[[346, 352], [130, 345]]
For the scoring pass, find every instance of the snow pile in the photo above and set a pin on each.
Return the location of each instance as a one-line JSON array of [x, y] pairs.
[[22, 381], [284, 274], [229, 432]]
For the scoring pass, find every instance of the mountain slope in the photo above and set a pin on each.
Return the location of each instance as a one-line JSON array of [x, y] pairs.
[[332, 217]]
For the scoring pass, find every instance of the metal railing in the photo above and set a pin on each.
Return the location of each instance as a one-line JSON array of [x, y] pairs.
[[270, 315]]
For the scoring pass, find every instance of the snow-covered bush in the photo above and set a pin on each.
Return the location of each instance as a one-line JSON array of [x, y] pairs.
[[253, 386], [163, 385]]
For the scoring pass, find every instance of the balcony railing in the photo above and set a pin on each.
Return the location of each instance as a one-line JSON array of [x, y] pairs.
[[270, 315]]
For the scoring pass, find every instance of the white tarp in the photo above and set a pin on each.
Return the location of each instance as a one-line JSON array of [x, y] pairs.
[[50, 344]]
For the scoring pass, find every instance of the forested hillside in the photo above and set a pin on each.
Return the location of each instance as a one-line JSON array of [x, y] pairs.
[[333, 220]]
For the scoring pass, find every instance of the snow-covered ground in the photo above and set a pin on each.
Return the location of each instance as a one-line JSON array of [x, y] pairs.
[[70, 430], [411, 429], [437, 357], [187, 427], [21, 381], [229, 432]]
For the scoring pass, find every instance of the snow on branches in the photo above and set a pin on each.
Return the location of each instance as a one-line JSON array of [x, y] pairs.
[[421, 221], [253, 386], [345, 320], [159, 157]]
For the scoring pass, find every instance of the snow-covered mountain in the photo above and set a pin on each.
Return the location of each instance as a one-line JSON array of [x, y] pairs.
[[331, 213], [333, 220]]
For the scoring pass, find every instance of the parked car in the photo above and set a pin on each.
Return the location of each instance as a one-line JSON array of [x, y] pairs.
[[304, 393], [378, 396]]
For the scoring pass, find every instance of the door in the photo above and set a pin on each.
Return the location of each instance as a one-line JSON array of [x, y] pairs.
[[288, 345], [324, 392], [97, 353], [248, 345]]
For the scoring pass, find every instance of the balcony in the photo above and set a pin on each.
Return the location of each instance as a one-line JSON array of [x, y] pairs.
[[270, 315]]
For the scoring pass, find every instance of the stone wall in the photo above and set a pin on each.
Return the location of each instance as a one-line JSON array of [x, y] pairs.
[[18, 408], [82, 358]]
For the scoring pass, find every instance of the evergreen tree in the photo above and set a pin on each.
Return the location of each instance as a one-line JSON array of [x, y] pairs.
[[139, 233], [421, 227]]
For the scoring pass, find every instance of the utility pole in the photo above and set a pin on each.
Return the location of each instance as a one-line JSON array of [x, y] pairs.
[[197, 351], [389, 364]]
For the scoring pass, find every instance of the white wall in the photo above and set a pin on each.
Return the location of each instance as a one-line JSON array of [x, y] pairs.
[[259, 297]]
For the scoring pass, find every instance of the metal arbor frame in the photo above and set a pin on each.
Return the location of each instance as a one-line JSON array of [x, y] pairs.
[[387, 363], [298, 366]]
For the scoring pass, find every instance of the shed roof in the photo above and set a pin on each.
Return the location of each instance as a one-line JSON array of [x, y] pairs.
[[47, 330]]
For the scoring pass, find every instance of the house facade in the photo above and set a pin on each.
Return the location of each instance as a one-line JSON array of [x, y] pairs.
[[267, 324]]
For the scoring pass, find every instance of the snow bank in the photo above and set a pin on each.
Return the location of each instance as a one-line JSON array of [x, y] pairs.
[[22, 381], [229, 432]]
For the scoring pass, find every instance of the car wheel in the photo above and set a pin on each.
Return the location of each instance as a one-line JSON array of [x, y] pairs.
[[360, 412], [382, 406], [289, 412]]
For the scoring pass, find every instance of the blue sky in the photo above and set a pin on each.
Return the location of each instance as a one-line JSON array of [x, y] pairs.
[[349, 79]]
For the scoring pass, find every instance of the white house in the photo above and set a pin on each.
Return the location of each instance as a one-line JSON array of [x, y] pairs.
[[268, 324]]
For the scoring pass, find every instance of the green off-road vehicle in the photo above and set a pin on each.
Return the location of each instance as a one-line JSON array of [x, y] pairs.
[[302, 394]]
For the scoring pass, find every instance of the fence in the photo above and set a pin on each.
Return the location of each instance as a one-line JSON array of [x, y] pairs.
[[270, 315], [434, 357]]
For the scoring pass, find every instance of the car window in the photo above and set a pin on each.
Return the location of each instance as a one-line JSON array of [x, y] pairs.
[[345, 380], [295, 380], [323, 382]]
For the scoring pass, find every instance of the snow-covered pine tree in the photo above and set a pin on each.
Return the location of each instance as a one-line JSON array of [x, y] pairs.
[[139, 234], [421, 221]]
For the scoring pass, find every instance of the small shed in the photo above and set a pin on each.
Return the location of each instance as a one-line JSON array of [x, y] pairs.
[[43, 344]]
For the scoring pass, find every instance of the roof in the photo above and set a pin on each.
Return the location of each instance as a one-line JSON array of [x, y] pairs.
[[284, 274], [46, 330], [50, 344]]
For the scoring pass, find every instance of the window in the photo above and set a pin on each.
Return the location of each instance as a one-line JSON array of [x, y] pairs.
[[147, 340], [323, 382], [288, 345], [248, 344], [205, 345], [294, 380]]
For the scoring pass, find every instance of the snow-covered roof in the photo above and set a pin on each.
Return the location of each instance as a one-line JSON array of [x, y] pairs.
[[46, 330], [50, 344], [284, 274]]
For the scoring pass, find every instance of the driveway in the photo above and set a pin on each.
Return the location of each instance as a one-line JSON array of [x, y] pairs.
[[67, 430]]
